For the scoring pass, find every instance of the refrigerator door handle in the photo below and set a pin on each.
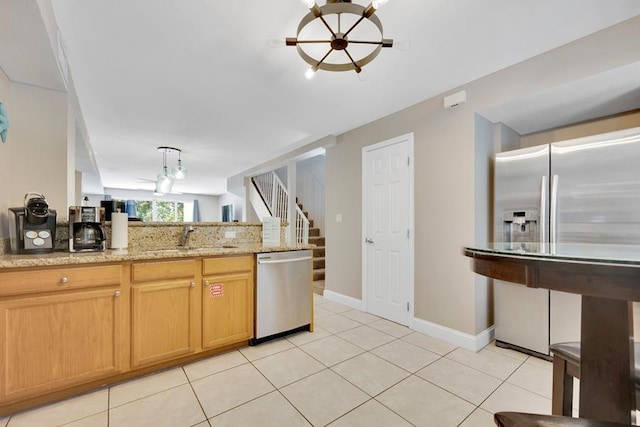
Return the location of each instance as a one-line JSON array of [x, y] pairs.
[[554, 211], [543, 214]]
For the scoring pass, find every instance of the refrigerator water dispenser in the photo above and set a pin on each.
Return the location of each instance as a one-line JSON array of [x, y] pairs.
[[520, 226]]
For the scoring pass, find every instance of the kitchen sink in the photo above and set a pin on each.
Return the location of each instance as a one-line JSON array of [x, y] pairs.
[[189, 250], [165, 251], [212, 248]]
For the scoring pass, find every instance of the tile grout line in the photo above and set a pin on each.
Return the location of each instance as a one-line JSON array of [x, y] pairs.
[[193, 390]]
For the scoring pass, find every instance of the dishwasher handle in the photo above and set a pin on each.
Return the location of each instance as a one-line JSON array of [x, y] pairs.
[[282, 261]]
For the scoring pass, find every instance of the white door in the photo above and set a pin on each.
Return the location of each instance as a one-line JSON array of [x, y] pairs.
[[388, 229]]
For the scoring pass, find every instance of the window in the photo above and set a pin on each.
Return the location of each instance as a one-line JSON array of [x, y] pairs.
[[161, 210]]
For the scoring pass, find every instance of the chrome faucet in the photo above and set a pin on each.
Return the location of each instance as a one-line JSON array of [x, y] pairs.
[[186, 233]]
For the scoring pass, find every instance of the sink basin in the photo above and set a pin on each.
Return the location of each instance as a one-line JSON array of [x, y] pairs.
[[212, 248], [188, 250], [164, 251]]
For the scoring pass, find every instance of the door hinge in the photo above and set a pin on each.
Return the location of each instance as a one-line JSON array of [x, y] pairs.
[[407, 305], [408, 233], [408, 161]]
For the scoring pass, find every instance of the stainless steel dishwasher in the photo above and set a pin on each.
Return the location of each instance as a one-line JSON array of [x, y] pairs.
[[283, 294]]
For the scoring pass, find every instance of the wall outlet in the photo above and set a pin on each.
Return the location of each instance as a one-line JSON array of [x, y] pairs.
[[229, 234]]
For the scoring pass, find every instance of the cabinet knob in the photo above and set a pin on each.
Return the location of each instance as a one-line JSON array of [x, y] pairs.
[[206, 283], [116, 293], [192, 283], [64, 279]]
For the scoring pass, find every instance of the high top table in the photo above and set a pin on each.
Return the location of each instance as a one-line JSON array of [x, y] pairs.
[[608, 278]]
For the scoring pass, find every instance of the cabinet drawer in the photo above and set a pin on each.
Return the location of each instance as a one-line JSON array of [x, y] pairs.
[[46, 280], [163, 270], [227, 264]]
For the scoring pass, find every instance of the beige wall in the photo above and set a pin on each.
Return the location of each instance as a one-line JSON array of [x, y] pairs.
[[36, 149], [448, 178]]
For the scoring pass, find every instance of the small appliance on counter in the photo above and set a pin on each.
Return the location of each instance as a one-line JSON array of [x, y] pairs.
[[86, 229], [32, 228]]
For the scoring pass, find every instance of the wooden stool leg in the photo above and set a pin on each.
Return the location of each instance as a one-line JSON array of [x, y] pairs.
[[562, 391]]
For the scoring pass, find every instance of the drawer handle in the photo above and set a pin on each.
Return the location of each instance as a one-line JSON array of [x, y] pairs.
[[64, 279], [192, 283], [117, 293]]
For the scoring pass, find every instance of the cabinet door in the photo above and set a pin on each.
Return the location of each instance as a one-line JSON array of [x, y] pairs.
[[162, 321], [227, 309], [55, 341]]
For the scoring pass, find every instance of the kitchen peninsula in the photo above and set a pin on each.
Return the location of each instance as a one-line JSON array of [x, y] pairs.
[[73, 322]]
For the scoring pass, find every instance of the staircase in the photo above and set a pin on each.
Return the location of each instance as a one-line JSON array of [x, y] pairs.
[[318, 253], [276, 200]]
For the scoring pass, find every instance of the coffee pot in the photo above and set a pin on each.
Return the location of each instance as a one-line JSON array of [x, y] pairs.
[[86, 229]]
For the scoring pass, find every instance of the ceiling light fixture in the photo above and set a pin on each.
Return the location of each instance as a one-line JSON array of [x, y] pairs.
[[165, 180], [339, 40], [179, 171]]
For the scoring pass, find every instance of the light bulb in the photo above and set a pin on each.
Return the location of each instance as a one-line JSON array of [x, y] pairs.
[[179, 171], [363, 75], [274, 41], [310, 73], [164, 182], [309, 3], [377, 3], [402, 44]]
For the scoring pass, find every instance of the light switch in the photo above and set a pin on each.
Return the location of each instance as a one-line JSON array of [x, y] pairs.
[[338, 218], [229, 234]]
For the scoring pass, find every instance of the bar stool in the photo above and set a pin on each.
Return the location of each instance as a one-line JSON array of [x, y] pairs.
[[566, 367], [519, 419]]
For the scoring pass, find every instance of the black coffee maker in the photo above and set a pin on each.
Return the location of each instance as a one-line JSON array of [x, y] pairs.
[[32, 228], [86, 229]]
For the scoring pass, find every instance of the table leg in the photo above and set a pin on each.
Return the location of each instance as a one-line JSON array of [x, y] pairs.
[[606, 380]]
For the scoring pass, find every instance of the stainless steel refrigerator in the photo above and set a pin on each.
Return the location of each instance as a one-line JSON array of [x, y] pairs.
[[585, 190]]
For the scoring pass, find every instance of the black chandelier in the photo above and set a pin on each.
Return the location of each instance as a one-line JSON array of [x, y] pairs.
[[339, 40]]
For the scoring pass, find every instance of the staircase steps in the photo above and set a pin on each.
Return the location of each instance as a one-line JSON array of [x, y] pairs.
[[318, 253], [318, 263], [315, 240]]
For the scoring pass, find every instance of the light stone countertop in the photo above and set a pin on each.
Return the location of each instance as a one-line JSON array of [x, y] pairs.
[[67, 258]]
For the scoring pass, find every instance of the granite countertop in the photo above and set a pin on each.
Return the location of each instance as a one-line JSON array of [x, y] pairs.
[[67, 258]]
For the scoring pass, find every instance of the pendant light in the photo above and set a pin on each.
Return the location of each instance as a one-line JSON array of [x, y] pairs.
[[164, 183], [179, 171]]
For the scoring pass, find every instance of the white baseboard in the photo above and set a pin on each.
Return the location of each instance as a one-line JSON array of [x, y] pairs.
[[453, 336], [343, 299]]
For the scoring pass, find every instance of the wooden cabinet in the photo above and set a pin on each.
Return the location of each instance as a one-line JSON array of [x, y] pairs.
[[227, 300], [66, 329], [164, 319], [63, 329]]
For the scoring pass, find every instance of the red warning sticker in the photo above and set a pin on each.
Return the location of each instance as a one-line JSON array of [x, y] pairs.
[[216, 290]]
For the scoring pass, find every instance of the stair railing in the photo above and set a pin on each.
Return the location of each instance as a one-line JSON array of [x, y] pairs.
[[276, 198]]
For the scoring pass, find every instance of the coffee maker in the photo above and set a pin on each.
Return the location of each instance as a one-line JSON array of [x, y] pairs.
[[86, 229], [32, 228]]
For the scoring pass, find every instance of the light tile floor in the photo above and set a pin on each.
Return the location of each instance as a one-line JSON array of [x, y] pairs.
[[354, 370]]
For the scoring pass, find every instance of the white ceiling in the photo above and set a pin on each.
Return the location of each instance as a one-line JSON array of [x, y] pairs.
[[199, 75]]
